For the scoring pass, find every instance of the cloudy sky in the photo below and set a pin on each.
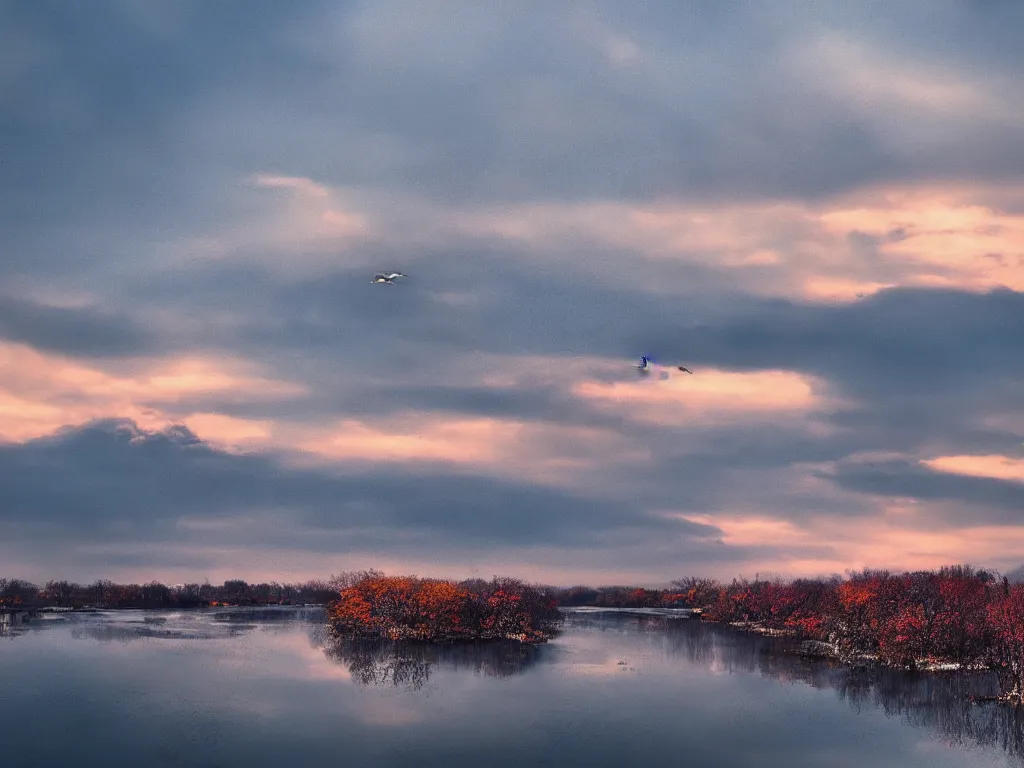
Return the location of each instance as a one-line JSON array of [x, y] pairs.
[[818, 207]]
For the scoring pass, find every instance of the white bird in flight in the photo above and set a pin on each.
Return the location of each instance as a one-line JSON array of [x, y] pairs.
[[388, 278], [644, 365]]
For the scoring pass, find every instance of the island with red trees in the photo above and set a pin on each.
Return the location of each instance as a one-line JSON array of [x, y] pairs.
[[410, 608]]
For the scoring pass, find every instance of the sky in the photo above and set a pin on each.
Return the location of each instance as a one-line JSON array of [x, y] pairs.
[[816, 207]]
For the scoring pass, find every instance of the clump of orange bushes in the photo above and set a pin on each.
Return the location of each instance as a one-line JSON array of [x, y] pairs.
[[956, 614], [410, 608]]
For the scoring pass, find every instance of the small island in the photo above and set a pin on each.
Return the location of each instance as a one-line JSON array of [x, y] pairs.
[[434, 610]]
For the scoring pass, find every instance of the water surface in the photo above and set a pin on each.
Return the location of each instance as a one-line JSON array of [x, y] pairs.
[[263, 687]]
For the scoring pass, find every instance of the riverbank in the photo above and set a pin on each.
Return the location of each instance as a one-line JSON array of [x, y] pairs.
[[819, 650]]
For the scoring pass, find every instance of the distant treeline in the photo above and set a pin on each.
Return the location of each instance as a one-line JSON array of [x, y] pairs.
[[684, 593], [107, 594]]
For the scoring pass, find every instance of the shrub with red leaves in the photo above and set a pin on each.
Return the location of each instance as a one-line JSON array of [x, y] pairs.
[[409, 608]]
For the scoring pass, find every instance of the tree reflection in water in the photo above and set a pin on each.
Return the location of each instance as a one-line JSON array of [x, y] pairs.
[[409, 665], [936, 700]]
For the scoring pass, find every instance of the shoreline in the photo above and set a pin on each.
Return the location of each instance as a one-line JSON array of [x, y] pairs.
[[819, 650]]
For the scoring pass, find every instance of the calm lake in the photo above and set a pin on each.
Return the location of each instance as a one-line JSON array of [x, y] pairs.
[[259, 687]]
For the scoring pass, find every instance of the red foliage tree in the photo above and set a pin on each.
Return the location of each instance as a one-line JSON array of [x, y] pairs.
[[961, 630], [698, 592], [1006, 651]]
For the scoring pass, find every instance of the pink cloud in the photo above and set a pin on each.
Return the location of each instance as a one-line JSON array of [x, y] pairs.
[[536, 451], [991, 465], [902, 536], [709, 397], [40, 393]]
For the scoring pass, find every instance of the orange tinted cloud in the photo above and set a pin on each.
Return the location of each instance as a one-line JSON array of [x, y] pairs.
[[227, 430], [841, 289], [939, 236], [456, 440], [993, 465], [713, 396], [40, 393], [537, 451]]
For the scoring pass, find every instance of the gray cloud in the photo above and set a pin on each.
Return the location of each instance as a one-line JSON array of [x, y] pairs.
[[141, 122], [106, 475], [80, 332], [992, 501], [93, 120], [900, 342]]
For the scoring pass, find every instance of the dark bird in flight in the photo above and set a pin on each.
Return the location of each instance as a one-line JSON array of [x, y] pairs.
[[684, 369]]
